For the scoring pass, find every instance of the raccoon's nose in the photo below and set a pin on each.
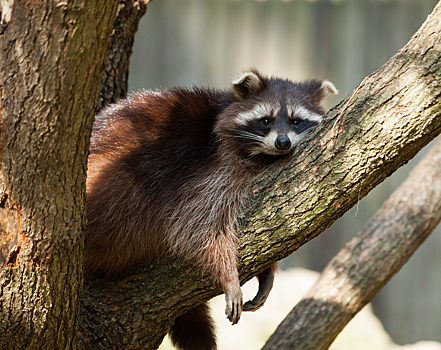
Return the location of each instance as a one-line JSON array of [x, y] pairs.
[[283, 143]]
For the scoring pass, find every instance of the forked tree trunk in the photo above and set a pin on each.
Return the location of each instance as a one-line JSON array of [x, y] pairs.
[[47, 110]]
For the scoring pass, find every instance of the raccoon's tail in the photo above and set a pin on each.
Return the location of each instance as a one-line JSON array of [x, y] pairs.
[[194, 330]]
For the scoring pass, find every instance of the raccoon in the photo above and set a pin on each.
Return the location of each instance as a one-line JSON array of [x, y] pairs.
[[169, 171]]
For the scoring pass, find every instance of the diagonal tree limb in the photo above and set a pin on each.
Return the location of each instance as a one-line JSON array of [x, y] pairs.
[[392, 115]]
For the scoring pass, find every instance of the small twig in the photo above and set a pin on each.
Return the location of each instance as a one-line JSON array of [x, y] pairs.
[[358, 200]]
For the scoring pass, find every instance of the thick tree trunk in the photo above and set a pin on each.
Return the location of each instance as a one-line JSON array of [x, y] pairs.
[[367, 262], [392, 115], [51, 55]]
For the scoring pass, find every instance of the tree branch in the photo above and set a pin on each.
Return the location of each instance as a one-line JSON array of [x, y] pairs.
[[393, 114], [114, 80], [367, 262]]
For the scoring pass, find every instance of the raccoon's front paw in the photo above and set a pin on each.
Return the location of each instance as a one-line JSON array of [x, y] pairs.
[[233, 299]]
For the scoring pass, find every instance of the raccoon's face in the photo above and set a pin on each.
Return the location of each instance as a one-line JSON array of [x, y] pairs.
[[274, 129], [272, 115]]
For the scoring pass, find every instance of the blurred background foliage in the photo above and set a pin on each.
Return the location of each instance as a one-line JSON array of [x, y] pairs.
[[206, 42]]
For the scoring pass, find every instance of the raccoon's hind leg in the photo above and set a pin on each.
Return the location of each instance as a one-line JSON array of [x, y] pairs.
[[266, 279], [194, 330]]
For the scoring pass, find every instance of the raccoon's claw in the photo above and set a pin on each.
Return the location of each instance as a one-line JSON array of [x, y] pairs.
[[233, 308]]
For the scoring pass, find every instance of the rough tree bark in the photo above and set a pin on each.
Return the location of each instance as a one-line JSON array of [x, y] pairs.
[[367, 262], [51, 55], [384, 123]]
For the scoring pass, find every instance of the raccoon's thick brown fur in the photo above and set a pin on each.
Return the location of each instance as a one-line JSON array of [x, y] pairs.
[[169, 172]]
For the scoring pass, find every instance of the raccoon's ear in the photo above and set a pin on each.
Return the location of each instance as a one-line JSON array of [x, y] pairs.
[[247, 83], [318, 90], [329, 88]]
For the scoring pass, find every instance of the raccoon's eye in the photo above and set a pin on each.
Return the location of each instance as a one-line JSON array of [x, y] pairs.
[[297, 121], [265, 121]]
